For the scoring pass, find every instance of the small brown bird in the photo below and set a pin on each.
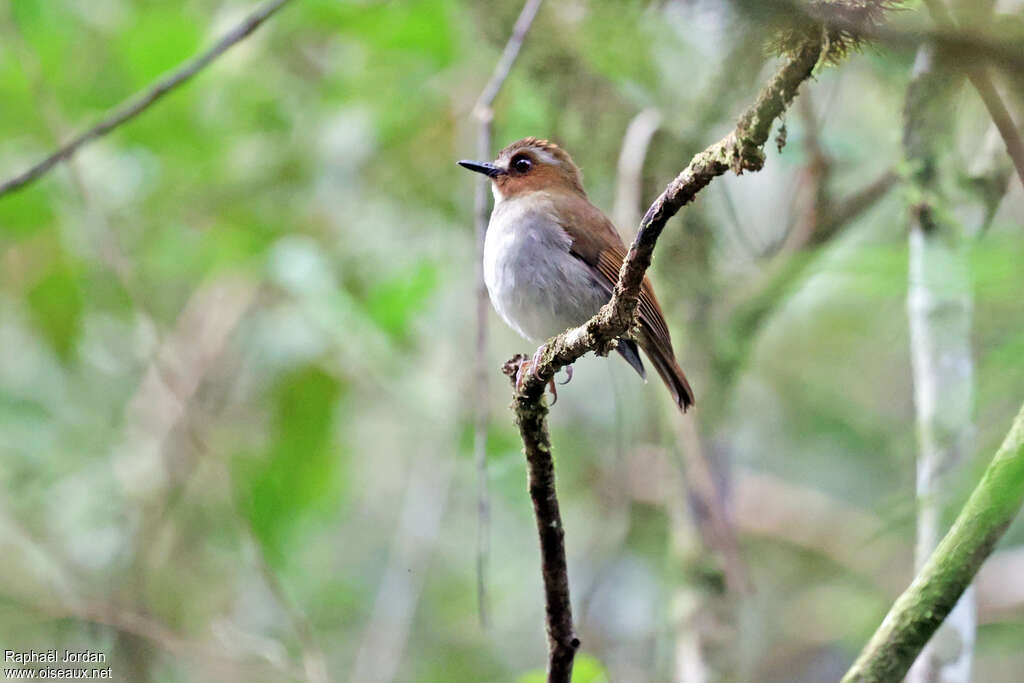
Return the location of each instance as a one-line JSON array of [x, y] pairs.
[[551, 258]]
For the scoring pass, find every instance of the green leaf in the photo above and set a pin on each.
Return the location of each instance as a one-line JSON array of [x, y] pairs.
[[393, 303], [159, 40], [26, 211], [422, 28], [56, 305], [297, 475]]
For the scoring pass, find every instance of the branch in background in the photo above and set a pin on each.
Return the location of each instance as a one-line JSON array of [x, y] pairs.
[[165, 401], [101, 234], [851, 207], [702, 534], [629, 183], [982, 82], [867, 545], [988, 175], [1000, 591], [741, 150], [810, 198], [999, 48], [225, 663], [507, 61], [713, 579], [919, 611], [142, 101], [737, 338], [702, 531], [939, 315], [481, 407], [314, 664], [403, 577], [481, 414], [851, 537], [55, 591]]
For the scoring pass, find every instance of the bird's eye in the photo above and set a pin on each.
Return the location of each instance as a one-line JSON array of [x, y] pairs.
[[521, 165]]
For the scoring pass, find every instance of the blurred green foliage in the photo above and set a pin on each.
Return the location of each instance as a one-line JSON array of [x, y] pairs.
[[297, 475], [236, 398], [56, 305], [585, 670]]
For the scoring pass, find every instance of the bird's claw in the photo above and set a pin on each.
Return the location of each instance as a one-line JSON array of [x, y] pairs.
[[554, 392], [527, 366], [568, 375], [521, 373]]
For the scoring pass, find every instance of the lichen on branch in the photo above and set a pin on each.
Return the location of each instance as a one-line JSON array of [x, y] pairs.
[[919, 611], [843, 25], [741, 150]]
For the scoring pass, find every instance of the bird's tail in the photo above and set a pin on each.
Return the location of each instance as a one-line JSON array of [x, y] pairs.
[[668, 369]]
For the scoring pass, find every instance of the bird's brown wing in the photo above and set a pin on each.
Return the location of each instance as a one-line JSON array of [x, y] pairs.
[[602, 249]]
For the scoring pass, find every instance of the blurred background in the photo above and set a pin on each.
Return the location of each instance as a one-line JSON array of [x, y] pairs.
[[237, 392]]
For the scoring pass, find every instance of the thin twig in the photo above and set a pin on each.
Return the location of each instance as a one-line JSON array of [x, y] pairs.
[[739, 151], [750, 248], [142, 101], [314, 664], [782, 276], [923, 606], [857, 202], [508, 57], [810, 201], [103, 237], [982, 82], [402, 578], [629, 176], [481, 407], [988, 175], [481, 411]]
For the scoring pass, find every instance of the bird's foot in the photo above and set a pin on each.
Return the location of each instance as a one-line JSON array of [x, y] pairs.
[[527, 366], [551, 384], [524, 369]]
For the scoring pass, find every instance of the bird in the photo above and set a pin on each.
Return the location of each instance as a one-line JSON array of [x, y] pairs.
[[551, 258]]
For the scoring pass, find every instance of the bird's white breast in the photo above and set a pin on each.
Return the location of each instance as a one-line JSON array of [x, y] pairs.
[[536, 285]]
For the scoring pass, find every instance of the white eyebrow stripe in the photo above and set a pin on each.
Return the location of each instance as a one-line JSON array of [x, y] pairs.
[[545, 156]]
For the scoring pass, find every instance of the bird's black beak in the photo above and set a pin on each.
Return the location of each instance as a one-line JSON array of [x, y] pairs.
[[485, 167]]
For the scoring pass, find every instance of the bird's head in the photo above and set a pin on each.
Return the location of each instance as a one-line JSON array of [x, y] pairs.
[[529, 165]]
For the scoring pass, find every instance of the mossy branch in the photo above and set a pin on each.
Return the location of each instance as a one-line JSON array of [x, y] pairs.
[[919, 611], [531, 418], [741, 150]]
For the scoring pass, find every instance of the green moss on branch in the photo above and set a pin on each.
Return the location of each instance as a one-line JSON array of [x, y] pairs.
[[739, 151], [531, 418], [919, 611]]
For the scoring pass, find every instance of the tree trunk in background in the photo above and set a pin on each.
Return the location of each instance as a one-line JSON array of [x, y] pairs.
[[939, 307]]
